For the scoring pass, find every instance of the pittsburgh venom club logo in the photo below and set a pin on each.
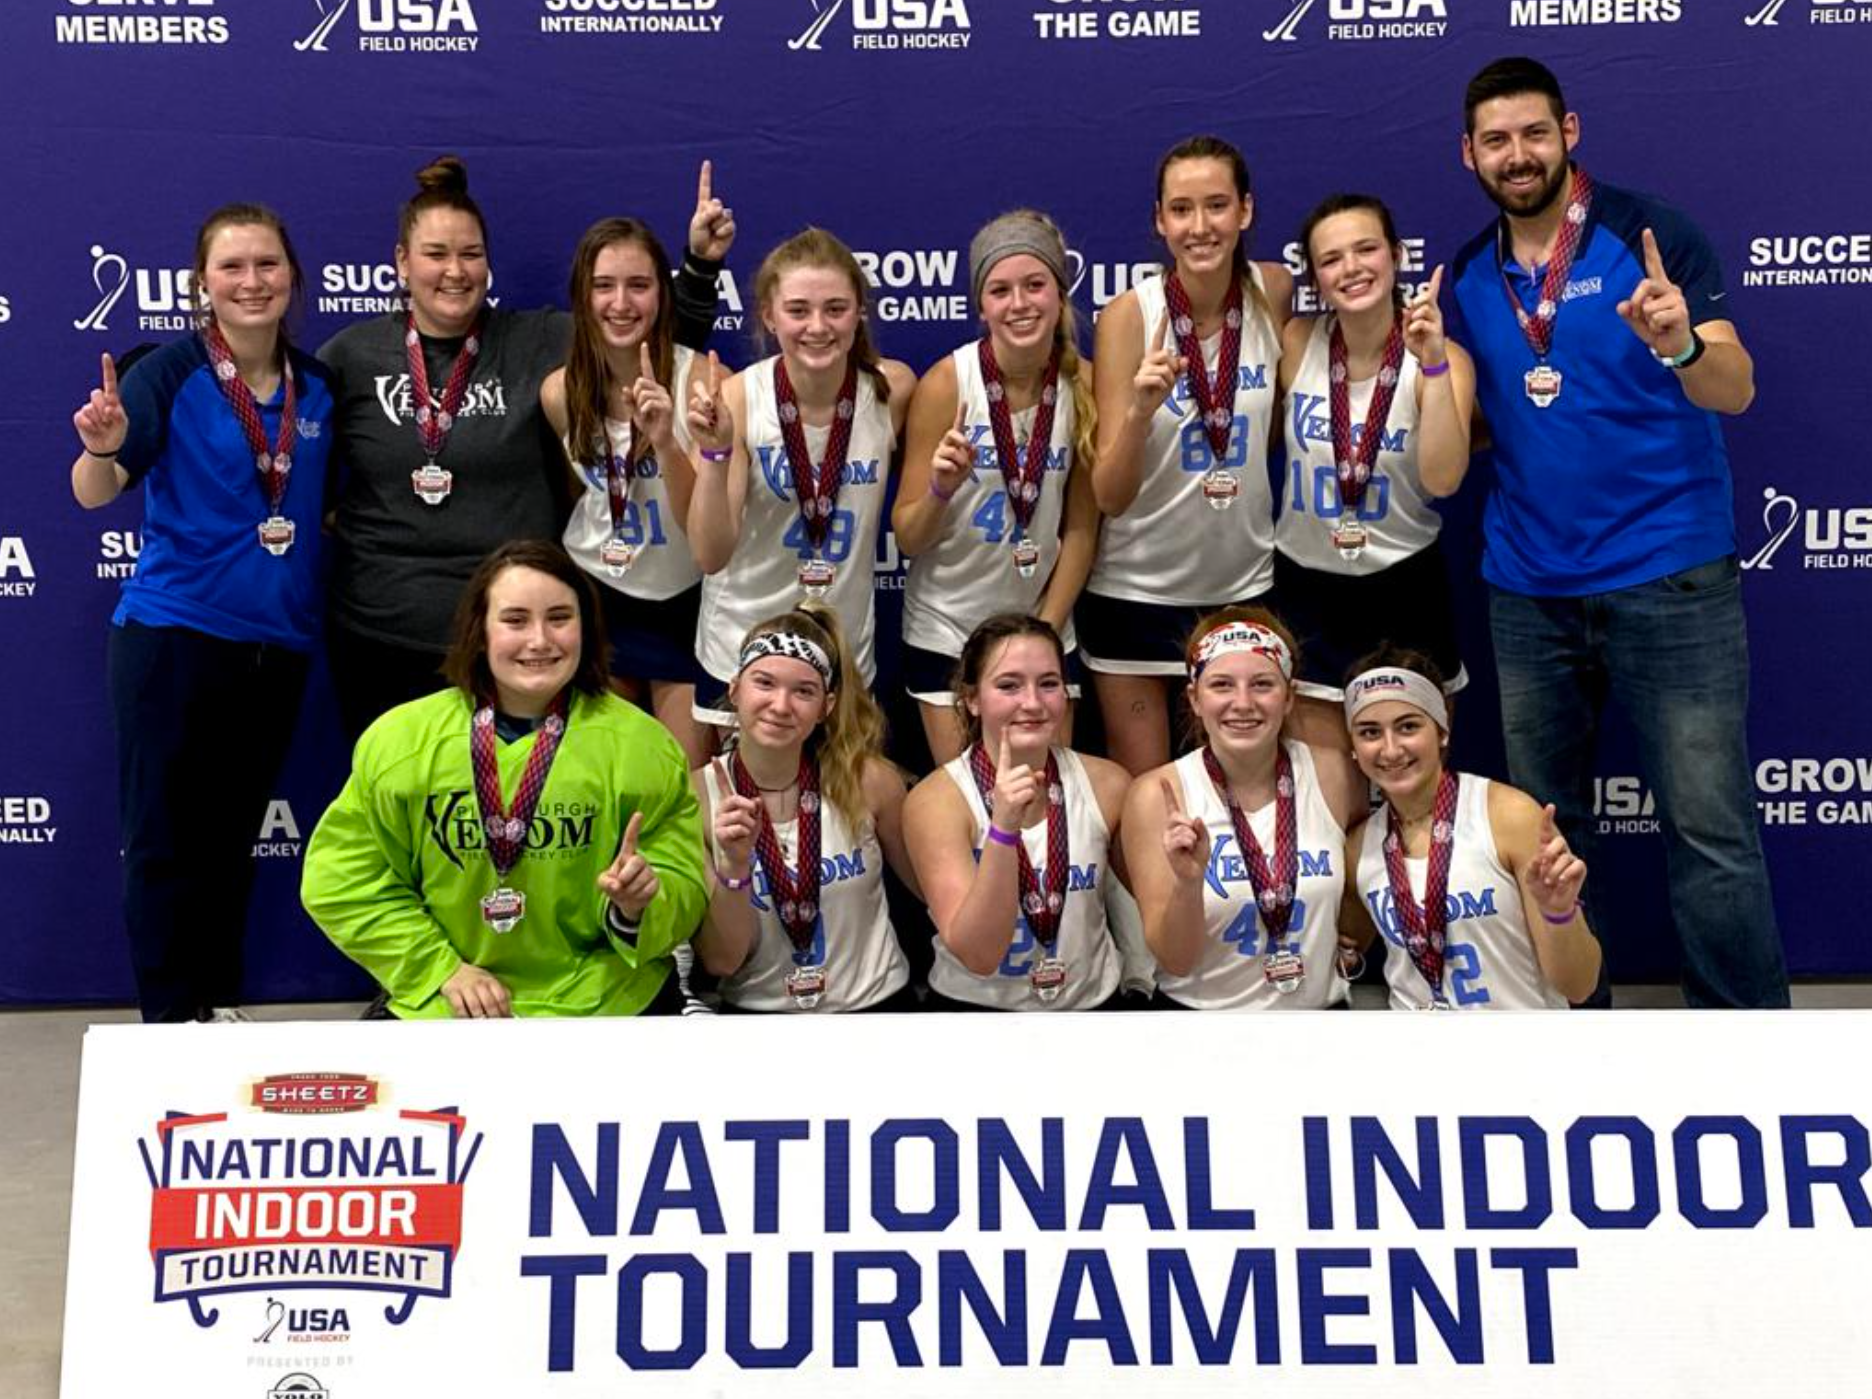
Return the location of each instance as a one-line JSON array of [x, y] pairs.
[[306, 1204]]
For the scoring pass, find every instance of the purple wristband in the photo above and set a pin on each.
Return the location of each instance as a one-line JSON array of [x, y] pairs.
[[712, 454], [1001, 837], [941, 495], [1562, 920], [1431, 371], [728, 882]]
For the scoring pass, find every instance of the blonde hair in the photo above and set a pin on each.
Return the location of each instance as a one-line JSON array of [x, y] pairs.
[[853, 730], [814, 247]]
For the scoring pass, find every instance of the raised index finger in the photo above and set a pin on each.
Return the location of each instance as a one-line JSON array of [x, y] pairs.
[[1173, 799], [1163, 325], [1436, 285], [961, 414], [705, 183], [645, 367], [1001, 763], [714, 374], [108, 372], [629, 846], [1653, 259]]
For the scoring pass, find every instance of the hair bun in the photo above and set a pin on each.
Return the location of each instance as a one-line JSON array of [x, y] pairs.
[[446, 174]]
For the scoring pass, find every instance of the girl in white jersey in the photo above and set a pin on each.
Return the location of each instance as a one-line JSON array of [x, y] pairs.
[[802, 813], [1377, 424], [1014, 839], [1186, 366], [995, 507], [612, 406], [1473, 887], [1236, 847], [793, 459]]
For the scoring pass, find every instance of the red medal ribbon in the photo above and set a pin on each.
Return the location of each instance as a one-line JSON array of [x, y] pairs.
[[1046, 909], [1423, 924], [1354, 461], [433, 425], [794, 893], [275, 466], [1021, 476], [1273, 890], [1539, 327], [1215, 398], [506, 827], [816, 492], [620, 473]]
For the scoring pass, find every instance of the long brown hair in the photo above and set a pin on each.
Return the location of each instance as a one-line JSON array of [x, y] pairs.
[[1215, 148], [466, 666], [982, 643], [588, 377], [235, 216], [1334, 205], [814, 247], [853, 729]]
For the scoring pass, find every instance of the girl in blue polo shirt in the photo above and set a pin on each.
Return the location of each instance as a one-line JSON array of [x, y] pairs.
[[228, 430]]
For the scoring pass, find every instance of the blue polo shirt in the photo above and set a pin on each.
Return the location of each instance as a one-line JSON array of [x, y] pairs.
[[1621, 480], [201, 564]]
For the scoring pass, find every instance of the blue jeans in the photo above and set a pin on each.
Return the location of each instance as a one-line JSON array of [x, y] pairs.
[[1673, 653]]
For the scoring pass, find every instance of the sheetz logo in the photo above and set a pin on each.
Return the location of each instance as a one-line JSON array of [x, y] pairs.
[[1120, 19], [305, 1203], [630, 17], [1358, 20], [397, 26], [186, 27], [890, 24], [1832, 537]]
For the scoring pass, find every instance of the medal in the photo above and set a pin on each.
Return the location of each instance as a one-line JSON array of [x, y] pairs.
[[805, 985], [1284, 971], [816, 491], [1273, 888], [1423, 925], [815, 576], [616, 556], [620, 472], [275, 467], [503, 908], [431, 483], [1023, 464], [794, 892], [1220, 487], [433, 421], [506, 827], [276, 534], [1542, 383], [1214, 398], [1044, 908], [1026, 556], [1354, 462]]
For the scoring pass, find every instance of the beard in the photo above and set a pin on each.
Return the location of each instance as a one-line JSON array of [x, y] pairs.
[[1525, 204]]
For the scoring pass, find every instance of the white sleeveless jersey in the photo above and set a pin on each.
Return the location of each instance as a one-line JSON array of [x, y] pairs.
[[762, 577], [853, 939], [1230, 974], [1170, 546], [1395, 509], [663, 566], [968, 574], [1085, 943], [1489, 961]]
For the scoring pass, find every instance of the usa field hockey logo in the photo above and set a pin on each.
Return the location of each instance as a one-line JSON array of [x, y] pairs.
[[303, 1203]]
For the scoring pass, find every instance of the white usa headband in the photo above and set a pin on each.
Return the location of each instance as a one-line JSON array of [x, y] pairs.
[[1393, 683], [1244, 637], [790, 645]]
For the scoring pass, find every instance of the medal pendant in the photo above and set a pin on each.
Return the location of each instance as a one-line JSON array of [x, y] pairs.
[[1350, 540], [805, 985], [503, 908], [1438, 1001], [431, 483], [276, 534], [815, 576], [1220, 488], [1285, 971], [1026, 556], [1048, 979], [617, 557], [1543, 384]]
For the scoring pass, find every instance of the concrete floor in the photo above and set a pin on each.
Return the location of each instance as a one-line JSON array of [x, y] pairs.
[[39, 1103]]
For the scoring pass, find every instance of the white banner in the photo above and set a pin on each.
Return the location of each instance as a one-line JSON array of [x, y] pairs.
[[1402, 1205]]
